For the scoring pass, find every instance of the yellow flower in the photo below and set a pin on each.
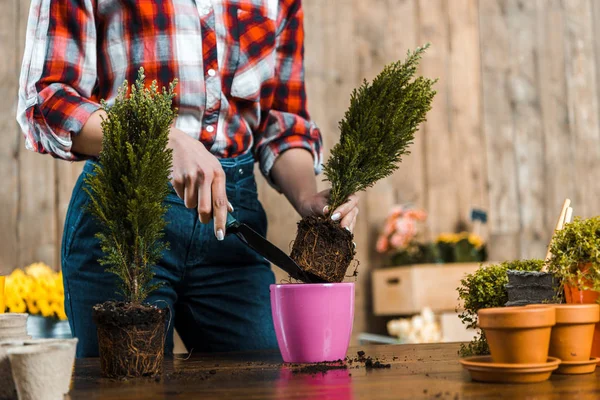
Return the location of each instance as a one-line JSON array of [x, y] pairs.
[[59, 310], [36, 289], [32, 306], [475, 240], [16, 305], [45, 308]]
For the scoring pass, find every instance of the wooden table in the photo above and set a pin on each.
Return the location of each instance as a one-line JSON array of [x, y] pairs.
[[417, 372]]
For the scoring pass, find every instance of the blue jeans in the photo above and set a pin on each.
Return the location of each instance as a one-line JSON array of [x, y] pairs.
[[218, 292]]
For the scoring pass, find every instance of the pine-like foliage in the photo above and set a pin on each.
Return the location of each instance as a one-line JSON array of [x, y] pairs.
[[130, 183], [378, 127]]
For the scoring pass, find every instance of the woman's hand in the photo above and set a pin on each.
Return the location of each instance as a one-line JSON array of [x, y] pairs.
[[317, 205], [293, 173], [199, 180]]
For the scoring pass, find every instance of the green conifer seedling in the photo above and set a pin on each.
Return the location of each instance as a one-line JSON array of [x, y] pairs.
[[130, 183], [376, 132], [378, 127]]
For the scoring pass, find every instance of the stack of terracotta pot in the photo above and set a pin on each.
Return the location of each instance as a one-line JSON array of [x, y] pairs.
[[528, 344]]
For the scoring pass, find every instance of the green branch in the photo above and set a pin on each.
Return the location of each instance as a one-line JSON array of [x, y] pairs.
[[378, 127], [130, 183]]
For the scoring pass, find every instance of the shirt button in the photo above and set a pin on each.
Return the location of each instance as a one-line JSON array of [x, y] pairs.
[[211, 72], [210, 129]]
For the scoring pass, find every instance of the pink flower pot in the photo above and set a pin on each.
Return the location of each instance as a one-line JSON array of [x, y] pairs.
[[313, 322]]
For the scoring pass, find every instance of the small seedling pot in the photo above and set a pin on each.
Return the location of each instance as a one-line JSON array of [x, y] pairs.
[[7, 386], [313, 322], [39, 371], [72, 343], [13, 321], [518, 335]]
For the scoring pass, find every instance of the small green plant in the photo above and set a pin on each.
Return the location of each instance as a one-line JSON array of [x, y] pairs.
[[578, 243], [485, 288], [378, 127], [130, 182]]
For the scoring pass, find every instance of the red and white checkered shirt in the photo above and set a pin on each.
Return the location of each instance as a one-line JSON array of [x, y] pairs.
[[239, 64]]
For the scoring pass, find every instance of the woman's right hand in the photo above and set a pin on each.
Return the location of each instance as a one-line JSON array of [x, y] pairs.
[[199, 180]]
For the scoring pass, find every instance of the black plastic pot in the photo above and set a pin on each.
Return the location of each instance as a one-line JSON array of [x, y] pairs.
[[526, 287]]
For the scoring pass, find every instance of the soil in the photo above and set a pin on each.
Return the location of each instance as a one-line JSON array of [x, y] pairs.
[[320, 368], [323, 248], [131, 339], [368, 362]]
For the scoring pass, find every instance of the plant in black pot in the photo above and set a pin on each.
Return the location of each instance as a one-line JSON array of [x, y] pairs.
[[127, 190]]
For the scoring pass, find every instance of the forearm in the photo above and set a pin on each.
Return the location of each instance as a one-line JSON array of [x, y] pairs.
[[293, 173], [89, 140]]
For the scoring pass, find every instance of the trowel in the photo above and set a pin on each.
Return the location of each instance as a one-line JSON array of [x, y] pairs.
[[268, 250]]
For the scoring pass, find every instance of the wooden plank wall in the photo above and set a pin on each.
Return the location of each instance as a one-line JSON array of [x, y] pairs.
[[515, 126]]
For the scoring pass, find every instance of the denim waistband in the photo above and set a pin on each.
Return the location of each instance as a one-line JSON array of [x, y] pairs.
[[235, 168]]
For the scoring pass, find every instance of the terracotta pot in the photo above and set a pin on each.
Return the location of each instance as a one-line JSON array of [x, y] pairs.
[[518, 334], [571, 338], [576, 296]]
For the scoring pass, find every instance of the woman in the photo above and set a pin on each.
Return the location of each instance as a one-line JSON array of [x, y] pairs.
[[241, 98]]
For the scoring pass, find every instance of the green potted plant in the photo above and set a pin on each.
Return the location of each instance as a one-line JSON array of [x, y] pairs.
[[376, 131], [127, 189], [486, 288], [575, 263]]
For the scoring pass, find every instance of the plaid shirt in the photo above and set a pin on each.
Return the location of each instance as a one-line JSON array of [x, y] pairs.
[[239, 64]]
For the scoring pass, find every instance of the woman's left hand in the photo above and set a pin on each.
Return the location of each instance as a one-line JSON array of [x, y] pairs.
[[317, 205]]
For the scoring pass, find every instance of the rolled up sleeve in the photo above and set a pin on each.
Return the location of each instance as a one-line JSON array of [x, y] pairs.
[[58, 75], [289, 125]]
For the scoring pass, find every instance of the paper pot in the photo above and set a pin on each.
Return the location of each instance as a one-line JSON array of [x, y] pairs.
[[39, 371], [572, 336], [518, 334], [313, 322], [72, 343], [7, 387], [13, 320]]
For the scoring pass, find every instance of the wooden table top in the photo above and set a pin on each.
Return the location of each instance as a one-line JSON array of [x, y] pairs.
[[428, 371]]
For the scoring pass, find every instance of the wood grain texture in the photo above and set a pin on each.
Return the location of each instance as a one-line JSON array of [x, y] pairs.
[[559, 152], [528, 141], [504, 217], [582, 103], [465, 110], [440, 177], [427, 371], [36, 225], [9, 23]]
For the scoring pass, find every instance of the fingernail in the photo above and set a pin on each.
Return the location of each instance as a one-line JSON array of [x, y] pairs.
[[230, 207], [354, 244], [220, 235], [325, 210], [348, 229], [336, 216]]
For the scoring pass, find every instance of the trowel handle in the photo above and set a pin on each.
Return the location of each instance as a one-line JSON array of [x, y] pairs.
[[231, 222]]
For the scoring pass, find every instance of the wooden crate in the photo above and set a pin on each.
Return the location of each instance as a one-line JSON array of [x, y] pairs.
[[407, 290]]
